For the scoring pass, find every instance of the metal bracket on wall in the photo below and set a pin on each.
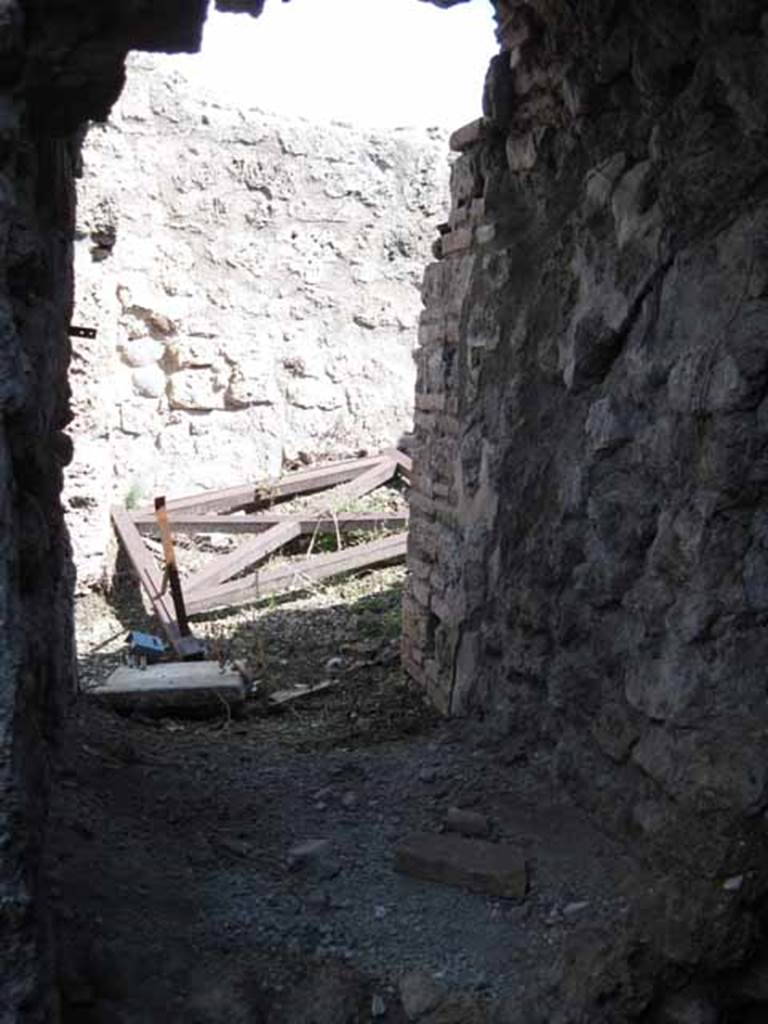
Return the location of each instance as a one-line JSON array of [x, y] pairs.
[[81, 332]]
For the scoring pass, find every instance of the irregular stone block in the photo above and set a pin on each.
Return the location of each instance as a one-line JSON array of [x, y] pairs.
[[194, 353], [688, 1007], [521, 152], [314, 394], [142, 352], [602, 179], [752, 983], [195, 390], [468, 823], [497, 869], [468, 135], [314, 857], [197, 686], [632, 203], [607, 428], [149, 382], [419, 993]]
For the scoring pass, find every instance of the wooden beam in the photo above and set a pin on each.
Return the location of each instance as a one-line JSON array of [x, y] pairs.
[[297, 575], [211, 522], [171, 568], [404, 462], [268, 491], [368, 481], [149, 576], [226, 566]]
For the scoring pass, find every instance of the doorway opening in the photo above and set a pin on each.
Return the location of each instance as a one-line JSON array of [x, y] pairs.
[[253, 276]]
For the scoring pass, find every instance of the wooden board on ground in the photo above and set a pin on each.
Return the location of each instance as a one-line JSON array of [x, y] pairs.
[[149, 576], [270, 491], [299, 575], [363, 484], [193, 686], [257, 522], [226, 566], [246, 509]]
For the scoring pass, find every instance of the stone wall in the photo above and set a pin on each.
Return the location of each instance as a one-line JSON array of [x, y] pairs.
[[59, 64], [588, 546], [255, 286], [588, 550], [36, 652]]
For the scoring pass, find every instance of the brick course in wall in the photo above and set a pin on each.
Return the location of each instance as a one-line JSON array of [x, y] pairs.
[[448, 358]]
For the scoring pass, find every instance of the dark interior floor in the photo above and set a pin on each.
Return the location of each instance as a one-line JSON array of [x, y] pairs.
[[170, 856]]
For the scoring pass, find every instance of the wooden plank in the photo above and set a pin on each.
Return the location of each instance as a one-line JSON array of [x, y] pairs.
[[211, 522], [148, 574], [171, 568], [404, 462], [319, 567], [295, 575], [368, 481], [266, 491], [226, 566]]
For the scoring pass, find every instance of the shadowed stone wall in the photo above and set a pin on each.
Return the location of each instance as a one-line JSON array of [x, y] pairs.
[[62, 63], [59, 64], [589, 544], [589, 554]]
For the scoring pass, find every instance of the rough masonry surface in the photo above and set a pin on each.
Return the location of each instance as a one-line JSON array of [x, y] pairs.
[[59, 66], [588, 553], [589, 546]]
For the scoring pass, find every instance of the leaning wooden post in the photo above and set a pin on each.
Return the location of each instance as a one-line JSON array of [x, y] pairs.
[[171, 569]]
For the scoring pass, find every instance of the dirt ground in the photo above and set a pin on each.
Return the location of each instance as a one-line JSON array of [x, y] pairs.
[[172, 852]]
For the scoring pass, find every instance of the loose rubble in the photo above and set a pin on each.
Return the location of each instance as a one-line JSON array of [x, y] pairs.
[[268, 844]]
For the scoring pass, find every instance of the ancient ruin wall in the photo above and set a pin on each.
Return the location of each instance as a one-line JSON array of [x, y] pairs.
[[605, 358], [589, 551], [255, 283], [59, 66]]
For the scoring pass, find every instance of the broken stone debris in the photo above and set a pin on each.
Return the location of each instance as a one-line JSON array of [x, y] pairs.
[[281, 697], [467, 823], [315, 858], [419, 993], [497, 869], [187, 686], [378, 1006], [751, 985], [688, 1006]]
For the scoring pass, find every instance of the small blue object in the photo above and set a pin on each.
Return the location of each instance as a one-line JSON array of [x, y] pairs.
[[143, 645]]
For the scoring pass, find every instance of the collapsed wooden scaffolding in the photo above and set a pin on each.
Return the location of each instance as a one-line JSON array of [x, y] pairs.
[[239, 577]]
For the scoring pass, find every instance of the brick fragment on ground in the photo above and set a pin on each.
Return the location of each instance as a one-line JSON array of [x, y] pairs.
[[497, 869]]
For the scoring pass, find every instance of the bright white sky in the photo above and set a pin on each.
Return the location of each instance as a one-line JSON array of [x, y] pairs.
[[382, 63]]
